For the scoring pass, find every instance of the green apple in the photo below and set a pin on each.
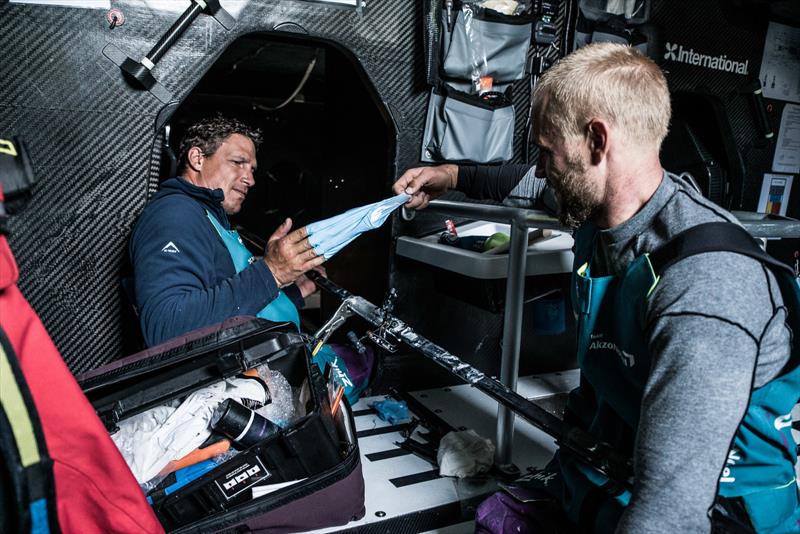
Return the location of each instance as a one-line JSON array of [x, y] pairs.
[[495, 240]]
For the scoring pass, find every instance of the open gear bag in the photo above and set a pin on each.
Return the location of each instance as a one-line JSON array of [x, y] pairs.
[[314, 461]]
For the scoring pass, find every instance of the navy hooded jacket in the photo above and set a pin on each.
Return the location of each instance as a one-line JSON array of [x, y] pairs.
[[184, 277]]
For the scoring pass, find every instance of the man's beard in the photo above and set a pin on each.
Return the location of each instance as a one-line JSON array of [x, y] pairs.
[[577, 199]]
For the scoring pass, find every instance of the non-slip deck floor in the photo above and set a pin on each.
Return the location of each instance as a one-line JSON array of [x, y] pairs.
[[404, 493]]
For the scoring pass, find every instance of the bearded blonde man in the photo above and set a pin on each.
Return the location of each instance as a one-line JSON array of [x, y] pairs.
[[686, 365]]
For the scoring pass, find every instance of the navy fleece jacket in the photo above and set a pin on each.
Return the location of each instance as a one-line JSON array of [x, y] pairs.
[[184, 277]]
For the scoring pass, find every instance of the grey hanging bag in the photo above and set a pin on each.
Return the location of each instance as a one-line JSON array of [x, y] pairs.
[[482, 42], [469, 128]]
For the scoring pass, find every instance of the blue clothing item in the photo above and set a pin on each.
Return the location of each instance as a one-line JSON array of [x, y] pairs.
[[279, 310], [614, 360], [392, 411], [329, 236], [184, 277], [282, 309]]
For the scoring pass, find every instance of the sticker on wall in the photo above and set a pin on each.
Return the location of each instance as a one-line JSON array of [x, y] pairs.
[[678, 53], [787, 148], [780, 65], [775, 191]]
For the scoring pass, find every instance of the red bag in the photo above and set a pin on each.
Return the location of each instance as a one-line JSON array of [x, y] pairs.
[[94, 489]]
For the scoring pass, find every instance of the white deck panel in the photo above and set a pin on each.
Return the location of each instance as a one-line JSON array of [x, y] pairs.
[[460, 405]]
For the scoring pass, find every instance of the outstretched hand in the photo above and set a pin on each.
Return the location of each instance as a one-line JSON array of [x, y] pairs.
[[289, 254], [426, 183]]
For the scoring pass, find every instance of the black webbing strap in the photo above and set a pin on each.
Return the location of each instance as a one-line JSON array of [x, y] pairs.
[[711, 237], [16, 178], [593, 501]]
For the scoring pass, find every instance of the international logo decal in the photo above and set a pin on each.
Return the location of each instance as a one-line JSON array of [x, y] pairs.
[[676, 52]]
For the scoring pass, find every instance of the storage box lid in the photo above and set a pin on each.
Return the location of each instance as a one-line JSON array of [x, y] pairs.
[[184, 364]]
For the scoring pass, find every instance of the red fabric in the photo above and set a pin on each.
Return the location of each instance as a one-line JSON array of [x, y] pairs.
[[95, 490]]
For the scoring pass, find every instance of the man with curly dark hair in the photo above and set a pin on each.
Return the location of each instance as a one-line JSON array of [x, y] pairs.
[[190, 268]]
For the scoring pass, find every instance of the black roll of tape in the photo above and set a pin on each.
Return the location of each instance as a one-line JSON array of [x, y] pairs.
[[241, 424]]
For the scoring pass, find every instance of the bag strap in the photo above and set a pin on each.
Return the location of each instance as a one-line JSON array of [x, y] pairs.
[[712, 237], [24, 450]]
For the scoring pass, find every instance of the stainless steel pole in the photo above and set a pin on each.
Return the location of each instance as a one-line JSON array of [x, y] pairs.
[[512, 334]]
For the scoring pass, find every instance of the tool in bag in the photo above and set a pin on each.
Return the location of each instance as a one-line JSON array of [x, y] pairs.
[[241, 424]]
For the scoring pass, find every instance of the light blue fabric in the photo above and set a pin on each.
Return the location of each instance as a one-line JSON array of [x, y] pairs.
[[281, 308], [329, 236]]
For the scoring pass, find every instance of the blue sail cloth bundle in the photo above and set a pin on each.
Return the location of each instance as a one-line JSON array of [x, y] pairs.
[[329, 236]]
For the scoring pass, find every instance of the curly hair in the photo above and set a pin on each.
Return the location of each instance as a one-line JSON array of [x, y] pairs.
[[209, 133]]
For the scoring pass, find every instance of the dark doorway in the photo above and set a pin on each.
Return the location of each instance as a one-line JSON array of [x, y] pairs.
[[329, 143]]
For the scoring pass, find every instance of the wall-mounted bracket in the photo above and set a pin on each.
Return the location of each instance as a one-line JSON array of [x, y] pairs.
[[139, 74]]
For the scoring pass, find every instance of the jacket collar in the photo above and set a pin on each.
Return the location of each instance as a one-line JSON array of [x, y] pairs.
[[211, 199]]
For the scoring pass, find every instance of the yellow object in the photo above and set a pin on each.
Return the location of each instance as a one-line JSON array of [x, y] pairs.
[[7, 147], [16, 411]]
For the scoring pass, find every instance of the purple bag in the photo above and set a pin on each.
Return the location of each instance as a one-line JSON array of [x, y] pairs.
[[336, 504], [527, 511], [359, 364]]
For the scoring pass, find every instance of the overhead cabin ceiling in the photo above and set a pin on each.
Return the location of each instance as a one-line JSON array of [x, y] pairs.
[[266, 69]]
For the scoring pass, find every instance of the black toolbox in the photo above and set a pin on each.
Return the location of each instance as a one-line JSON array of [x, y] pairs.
[[318, 449]]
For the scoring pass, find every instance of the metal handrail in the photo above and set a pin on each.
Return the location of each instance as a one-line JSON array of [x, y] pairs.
[[765, 225], [757, 224], [520, 220], [494, 213]]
